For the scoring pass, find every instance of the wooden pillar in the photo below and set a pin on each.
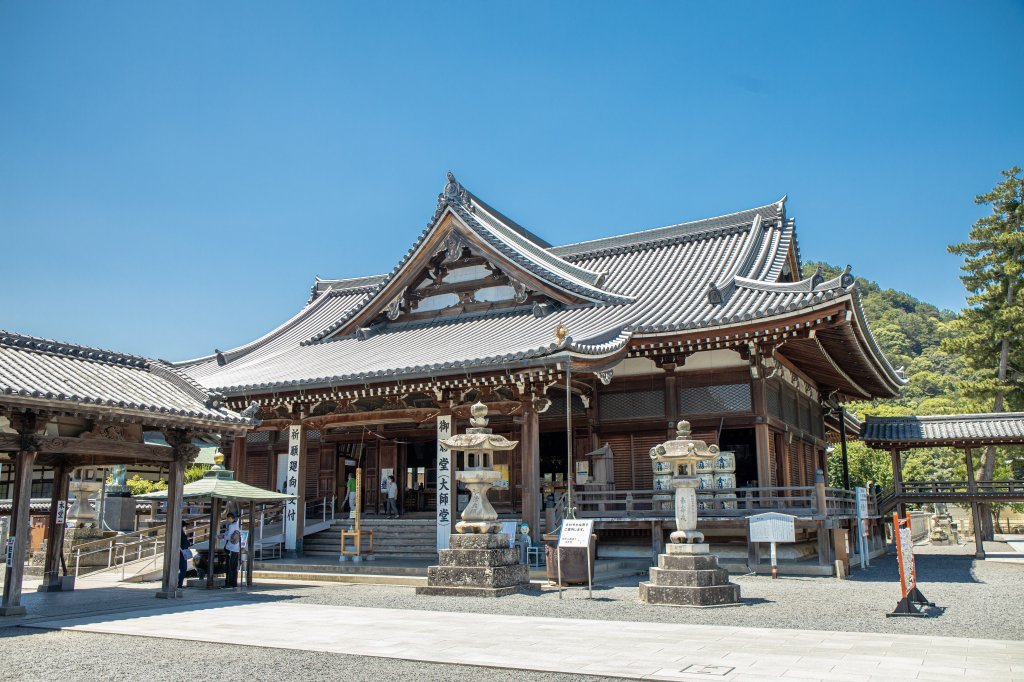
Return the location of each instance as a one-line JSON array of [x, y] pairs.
[[842, 445], [214, 532], [251, 545], [671, 398], [972, 488], [897, 480], [238, 459], [184, 452], [529, 447], [764, 462], [52, 581], [20, 530]]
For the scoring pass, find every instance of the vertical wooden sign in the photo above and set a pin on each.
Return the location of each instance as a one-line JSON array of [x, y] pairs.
[[291, 509], [912, 598], [445, 466]]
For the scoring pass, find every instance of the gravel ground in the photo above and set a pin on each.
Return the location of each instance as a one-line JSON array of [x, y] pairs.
[[981, 600]]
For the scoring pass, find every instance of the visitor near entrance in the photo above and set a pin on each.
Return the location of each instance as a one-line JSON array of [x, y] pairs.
[[350, 498], [184, 554], [392, 508], [232, 545]]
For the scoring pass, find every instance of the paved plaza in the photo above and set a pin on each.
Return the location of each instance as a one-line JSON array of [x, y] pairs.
[[793, 628]]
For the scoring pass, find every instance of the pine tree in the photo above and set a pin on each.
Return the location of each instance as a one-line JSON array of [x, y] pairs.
[[990, 331]]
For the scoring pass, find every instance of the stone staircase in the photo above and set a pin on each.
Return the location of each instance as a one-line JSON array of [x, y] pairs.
[[392, 538]]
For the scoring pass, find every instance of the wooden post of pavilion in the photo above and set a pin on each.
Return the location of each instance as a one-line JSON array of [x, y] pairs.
[[251, 545], [184, 451], [897, 478], [52, 581], [972, 488], [529, 446], [20, 525], [212, 550]]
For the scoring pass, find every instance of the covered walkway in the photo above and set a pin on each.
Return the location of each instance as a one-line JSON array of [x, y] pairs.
[[966, 431]]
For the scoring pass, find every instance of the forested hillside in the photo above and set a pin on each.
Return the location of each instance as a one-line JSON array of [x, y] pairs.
[[910, 333]]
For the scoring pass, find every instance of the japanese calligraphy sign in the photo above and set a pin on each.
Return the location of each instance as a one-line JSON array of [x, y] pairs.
[[576, 533], [291, 518], [444, 482], [905, 553], [61, 512]]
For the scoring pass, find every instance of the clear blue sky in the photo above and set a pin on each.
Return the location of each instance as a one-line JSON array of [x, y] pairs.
[[173, 175]]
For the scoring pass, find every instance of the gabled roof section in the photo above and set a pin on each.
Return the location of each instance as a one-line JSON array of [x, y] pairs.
[[460, 221], [990, 428], [42, 373]]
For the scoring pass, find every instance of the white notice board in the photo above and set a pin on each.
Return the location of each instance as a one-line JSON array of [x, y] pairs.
[[576, 533], [772, 527]]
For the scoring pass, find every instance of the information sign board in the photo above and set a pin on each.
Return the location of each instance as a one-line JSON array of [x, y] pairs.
[[862, 502], [61, 512], [576, 533], [9, 553], [772, 527], [905, 552]]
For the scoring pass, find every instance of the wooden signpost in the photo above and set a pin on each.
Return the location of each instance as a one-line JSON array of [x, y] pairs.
[[912, 599], [575, 533], [356, 534]]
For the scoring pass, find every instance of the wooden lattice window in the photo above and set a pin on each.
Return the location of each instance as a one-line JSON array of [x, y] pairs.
[[632, 405], [713, 399]]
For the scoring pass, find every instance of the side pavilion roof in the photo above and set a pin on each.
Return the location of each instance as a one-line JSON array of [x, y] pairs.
[[962, 430], [50, 375], [705, 276]]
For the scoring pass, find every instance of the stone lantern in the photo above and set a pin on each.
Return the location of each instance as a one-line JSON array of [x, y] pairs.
[[684, 454], [480, 560], [479, 444], [687, 573]]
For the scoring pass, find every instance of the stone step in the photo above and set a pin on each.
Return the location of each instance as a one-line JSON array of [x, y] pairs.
[[382, 555], [717, 595], [668, 578], [477, 576], [698, 562], [374, 567], [346, 578]]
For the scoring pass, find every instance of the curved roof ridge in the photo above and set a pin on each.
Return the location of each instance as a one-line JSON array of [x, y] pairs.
[[740, 263], [653, 237], [240, 351], [90, 353]]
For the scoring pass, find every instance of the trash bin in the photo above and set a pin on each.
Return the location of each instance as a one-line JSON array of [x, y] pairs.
[[574, 566]]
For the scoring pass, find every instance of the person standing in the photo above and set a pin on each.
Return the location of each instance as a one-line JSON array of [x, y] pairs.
[[351, 497], [232, 545], [184, 554], [392, 508]]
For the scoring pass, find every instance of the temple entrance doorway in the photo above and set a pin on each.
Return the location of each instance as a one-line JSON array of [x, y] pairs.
[[742, 442], [553, 466], [419, 482]]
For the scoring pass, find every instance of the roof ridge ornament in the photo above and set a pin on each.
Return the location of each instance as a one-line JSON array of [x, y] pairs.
[[455, 195], [847, 280]]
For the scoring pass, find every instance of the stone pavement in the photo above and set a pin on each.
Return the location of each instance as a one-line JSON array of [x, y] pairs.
[[659, 651]]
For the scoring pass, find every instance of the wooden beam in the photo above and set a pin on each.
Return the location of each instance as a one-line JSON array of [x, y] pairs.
[[415, 415], [114, 450]]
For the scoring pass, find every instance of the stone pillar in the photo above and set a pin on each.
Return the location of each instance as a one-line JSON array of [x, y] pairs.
[[184, 452], [52, 581], [529, 448], [20, 529]]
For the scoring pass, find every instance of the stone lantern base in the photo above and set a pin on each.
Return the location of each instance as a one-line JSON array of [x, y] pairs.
[[477, 565], [687, 575]]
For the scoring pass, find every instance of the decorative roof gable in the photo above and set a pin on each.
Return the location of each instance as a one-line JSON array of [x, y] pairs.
[[465, 232]]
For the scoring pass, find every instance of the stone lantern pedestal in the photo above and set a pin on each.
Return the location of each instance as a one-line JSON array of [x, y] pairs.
[[687, 573], [479, 561]]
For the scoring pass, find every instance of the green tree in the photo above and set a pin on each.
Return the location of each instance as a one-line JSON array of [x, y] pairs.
[[989, 333]]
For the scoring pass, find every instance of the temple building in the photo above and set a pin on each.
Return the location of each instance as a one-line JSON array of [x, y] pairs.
[[601, 346]]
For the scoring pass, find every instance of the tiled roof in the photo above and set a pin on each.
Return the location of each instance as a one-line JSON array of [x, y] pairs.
[[959, 429], [699, 275], [41, 372]]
